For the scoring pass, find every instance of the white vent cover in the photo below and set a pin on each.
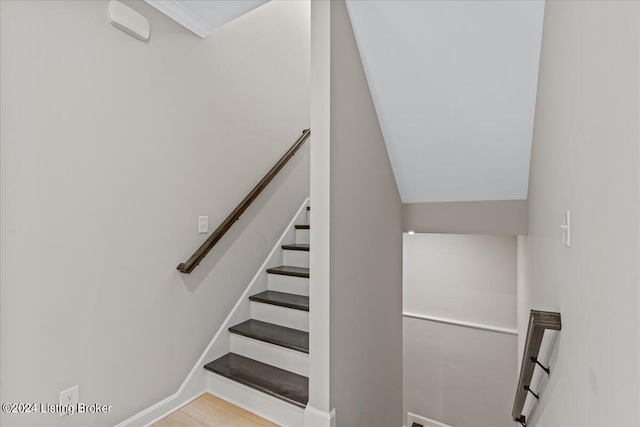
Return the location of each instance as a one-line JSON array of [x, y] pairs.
[[128, 20]]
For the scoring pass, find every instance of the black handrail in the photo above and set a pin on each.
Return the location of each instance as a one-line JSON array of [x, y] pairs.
[[539, 322], [188, 266]]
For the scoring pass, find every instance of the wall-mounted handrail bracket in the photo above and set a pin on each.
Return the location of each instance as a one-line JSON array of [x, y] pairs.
[[539, 322], [188, 266], [546, 369], [537, 396]]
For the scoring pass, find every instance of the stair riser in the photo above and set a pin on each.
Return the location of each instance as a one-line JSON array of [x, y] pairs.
[[263, 405], [289, 284], [284, 358], [296, 258], [302, 236], [289, 317]]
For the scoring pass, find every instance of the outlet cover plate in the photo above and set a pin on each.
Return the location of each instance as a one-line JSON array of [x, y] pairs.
[[69, 397]]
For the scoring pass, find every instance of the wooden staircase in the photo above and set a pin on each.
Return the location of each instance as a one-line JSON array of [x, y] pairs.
[[269, 351]]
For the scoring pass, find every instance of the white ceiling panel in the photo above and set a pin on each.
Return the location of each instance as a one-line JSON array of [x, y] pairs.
[[454, 85]]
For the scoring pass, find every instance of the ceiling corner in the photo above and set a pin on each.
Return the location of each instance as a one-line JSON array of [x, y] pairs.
[[176, 11]]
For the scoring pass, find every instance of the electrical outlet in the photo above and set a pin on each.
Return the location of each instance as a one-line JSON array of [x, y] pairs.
[[203, 224], [69, 397]]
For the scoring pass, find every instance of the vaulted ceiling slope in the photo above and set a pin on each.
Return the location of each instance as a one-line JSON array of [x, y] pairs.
[[204, 16], [454, 85]]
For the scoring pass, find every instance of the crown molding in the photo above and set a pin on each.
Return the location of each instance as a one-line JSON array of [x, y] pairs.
[[176, 11]]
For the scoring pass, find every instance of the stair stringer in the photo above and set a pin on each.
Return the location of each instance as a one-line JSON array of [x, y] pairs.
[[197, 381]]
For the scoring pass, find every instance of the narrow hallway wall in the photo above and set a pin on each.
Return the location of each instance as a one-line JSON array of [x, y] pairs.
[[366, 248], [586, 159]]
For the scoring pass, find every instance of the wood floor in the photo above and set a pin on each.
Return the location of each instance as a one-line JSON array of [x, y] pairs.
[[211, 411]]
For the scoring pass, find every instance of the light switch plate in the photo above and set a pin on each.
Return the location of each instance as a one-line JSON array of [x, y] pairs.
[[203, 224], [566, 229]]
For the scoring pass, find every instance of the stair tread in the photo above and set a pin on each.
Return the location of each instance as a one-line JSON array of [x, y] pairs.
[[297, 247], [274, 334], [288, 270], [303, 227], [281, 384], [283, 299]]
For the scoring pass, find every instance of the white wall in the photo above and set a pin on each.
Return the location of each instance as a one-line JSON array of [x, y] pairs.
[[366, 248], [586, 158], [461, 276], [110, 149], [458, 375], [502, 217]]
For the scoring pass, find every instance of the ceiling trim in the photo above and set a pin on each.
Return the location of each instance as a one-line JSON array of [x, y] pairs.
[[182, 15]]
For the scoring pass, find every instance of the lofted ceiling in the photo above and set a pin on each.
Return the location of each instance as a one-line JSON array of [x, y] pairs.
[[204, 16], [453, 82], [454, 85]]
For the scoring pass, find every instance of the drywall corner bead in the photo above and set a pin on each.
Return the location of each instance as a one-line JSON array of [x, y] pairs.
[[128, 20]]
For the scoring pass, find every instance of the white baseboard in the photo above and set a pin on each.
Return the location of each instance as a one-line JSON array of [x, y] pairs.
[[168, 411], [424, 421], [160, 410], [314, 417], [196, 382]]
